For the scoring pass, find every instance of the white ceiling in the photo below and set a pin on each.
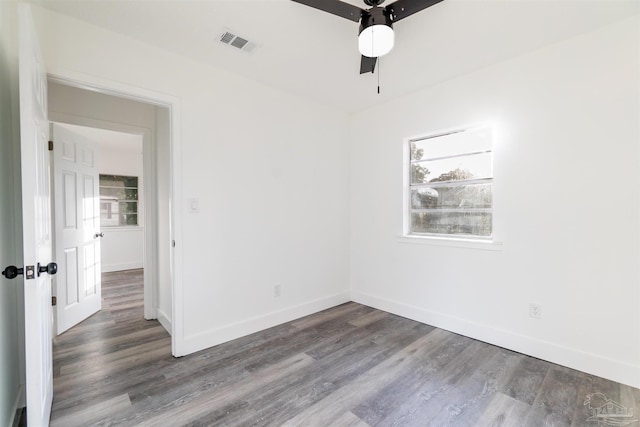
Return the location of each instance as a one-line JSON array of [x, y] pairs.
[[109, 140], [314, 54]]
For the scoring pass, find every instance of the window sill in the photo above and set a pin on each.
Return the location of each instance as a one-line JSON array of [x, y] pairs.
[[121, 227], [484, 245]]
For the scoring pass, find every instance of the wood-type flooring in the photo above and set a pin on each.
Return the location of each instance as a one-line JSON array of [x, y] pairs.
[[350, 365]]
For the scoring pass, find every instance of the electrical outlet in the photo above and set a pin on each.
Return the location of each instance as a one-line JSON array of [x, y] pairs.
[[535, 311], [277, 291]]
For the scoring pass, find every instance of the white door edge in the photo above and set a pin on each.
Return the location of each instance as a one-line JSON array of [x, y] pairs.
[[36, 221]]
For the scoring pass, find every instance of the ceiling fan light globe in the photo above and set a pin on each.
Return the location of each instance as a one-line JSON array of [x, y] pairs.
[[376, 41]]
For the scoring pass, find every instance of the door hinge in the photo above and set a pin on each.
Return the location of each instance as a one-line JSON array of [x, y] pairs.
[[50, 145], [54, 301]]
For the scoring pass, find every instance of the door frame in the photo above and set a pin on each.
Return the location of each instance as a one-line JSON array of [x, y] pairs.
[[172, 103]]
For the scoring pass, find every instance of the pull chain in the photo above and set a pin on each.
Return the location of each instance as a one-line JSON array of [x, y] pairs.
[[379, 62], [374, 63]]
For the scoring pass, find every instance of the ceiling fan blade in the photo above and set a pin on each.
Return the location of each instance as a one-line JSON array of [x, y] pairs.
[[335, 7], [367, 65], [402, 8]]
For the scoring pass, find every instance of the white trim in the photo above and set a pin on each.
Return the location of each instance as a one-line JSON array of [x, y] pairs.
[[110, 87], [164, 320], [149, 218], [485, 245], [615, 370], [122, 228], [448, 131], [94, 123], [249, 326], [108, 268]]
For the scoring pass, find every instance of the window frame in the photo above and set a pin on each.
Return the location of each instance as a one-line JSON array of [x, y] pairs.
[[118, 201], [463, 240]]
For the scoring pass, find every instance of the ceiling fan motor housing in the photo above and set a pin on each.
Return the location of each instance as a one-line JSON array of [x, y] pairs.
[[373, 2], [376, 37], [381, 19]]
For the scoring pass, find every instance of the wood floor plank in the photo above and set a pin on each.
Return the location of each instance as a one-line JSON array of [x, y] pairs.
[[441, 395], [126, 357], [331, 314], [362, 387], [525, 383], [369, 318], [557, 399], [503, 411], [350, 365], [329, 373], [90, 414], [465, 402], [188, 410], [348, 419]]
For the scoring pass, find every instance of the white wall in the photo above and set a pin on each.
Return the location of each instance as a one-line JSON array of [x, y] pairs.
[[566, 206], [122, 247], [269, 170], [11, 394], [71, 102]]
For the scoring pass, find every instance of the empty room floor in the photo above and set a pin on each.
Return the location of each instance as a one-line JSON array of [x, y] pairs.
[[351, 365]]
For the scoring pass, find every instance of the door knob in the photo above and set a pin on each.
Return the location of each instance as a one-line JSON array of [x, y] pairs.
[[51, 268], [98, 235], [11, 272]]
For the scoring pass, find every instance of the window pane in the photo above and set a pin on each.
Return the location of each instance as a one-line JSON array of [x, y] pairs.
[[112, 193], [475, 166], [118, 181], [131, 194], [118, 200], [110, 181], [129, 219], [475, 196], [109, 215], [468, 141], [128, 207], [119, 193], [467, 223], [129, 181]]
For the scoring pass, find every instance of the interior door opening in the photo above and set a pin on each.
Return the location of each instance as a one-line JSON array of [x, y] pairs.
[[98, 221], [138, 147]]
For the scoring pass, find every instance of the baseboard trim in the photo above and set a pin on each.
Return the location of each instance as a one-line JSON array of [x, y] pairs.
[[586, 362], [216, 336], [164, 320], [120, 267]]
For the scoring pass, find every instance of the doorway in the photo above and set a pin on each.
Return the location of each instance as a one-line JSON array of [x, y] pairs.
[[79, 106], [98, 214]]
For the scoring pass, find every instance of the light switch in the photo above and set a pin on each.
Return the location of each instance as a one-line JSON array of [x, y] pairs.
[[194, 205]]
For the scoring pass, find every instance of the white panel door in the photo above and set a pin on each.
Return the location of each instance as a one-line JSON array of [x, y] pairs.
[[36, 217], [77, 228]]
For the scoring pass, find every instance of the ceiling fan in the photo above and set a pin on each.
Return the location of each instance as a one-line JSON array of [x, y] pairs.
[[376, 36]]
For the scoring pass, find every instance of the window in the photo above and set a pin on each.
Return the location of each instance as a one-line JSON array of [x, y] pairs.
[[118, 200], [450, 184]]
